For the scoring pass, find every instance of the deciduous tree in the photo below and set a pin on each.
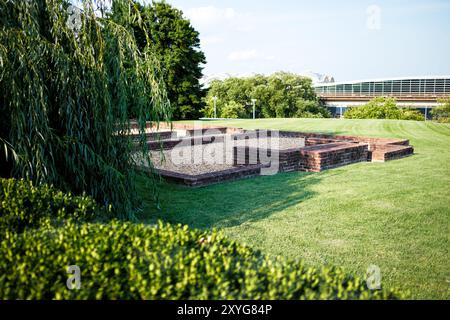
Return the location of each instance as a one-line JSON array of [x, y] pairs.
[[177, 45]]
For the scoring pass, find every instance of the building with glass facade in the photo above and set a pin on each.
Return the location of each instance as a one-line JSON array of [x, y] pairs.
[[415, 92], [401, 87]]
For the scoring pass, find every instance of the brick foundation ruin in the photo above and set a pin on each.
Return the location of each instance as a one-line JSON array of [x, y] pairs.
[[320, 151]]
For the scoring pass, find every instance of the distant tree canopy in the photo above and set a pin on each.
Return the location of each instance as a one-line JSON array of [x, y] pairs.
[[176, 43], [383, 108], [442, 112], [280, 95], [68, 87]]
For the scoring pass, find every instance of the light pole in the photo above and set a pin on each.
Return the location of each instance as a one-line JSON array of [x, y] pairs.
[[254, 108], [215, 107]]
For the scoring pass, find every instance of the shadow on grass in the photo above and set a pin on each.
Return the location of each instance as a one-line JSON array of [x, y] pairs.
[[229, 204]]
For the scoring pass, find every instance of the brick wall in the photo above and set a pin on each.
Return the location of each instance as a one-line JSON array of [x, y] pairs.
[[155, 136], [314, 158], [172, 143], [236, 173], [328, 156], [383, 153]]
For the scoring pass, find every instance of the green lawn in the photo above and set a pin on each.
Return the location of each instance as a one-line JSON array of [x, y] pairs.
[[395, 215]]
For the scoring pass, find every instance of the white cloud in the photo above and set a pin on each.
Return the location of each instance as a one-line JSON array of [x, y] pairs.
[[243, 55], [216, 19]]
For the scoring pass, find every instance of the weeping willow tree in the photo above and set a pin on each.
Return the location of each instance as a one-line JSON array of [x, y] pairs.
[[70, 81]]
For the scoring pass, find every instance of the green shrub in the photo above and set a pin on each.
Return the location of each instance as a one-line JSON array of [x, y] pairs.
[[22, 205], [383, 108], [442, 112], [444, 120], [311, 109], [409, 114], [133, 261], [233, 110]]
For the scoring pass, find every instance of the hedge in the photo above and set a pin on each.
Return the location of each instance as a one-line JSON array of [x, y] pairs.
[[441, 113], [383, 108], [124, 260], [22, 205]]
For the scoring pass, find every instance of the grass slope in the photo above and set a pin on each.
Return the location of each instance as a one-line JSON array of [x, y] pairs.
[[395, 215]]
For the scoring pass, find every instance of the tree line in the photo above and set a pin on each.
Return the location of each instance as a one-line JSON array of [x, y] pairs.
[[280, 95]]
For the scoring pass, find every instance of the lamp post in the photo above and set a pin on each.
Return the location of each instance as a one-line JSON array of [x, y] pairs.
[[215, 107], [254, 108]]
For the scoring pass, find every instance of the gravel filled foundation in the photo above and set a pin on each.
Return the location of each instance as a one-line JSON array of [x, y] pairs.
[[214, 157]]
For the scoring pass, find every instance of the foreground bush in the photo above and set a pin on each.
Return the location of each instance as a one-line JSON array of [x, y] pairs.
[[383, 108], [22, 205], [128, 261]]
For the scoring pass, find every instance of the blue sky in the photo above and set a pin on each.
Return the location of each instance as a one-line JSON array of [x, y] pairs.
[[347, 39]]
